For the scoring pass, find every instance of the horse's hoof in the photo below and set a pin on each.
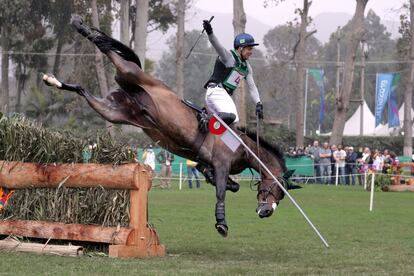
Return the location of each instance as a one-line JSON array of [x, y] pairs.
[[51, 81], [76, 20], [233, 187], [45, 79], [222, 229]]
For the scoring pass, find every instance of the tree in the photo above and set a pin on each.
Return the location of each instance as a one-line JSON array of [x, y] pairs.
[[280, 40], [299, 58], [160, 15], [100, 69], [124, 19], [157, 14], [140, 33], [14, 17], [196, 68], [342, 102], [408, 131], [59, 18], [276, 77], [180, 48], [239, 25], [24, 31], [378, 46]]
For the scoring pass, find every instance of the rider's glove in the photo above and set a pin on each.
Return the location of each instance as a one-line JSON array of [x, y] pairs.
[[207, 27], [259, 110]]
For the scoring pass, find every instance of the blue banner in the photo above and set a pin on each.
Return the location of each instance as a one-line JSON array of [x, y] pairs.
[[393, 115], [382, 92], [318, 75]]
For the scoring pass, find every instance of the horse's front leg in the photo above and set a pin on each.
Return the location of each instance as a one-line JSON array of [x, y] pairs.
[[220, 178]]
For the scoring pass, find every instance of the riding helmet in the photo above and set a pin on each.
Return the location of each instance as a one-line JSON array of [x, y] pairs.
[[243, 40]]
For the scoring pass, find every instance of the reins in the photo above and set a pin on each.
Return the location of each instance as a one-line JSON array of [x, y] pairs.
[[258, 143]]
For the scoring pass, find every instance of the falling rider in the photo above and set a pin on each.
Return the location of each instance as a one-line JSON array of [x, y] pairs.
[[230, 68]]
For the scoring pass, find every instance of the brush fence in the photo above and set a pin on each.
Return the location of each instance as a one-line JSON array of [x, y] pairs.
[[137, 240]]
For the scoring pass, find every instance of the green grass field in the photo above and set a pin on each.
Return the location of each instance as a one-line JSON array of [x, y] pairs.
[[361, 242]]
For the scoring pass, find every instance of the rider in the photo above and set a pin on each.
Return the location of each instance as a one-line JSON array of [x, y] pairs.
[[230, 68]]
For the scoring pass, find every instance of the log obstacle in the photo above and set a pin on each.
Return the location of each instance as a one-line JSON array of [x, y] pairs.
[[404, 175], [60, 250], [398, 188], [137, 240]]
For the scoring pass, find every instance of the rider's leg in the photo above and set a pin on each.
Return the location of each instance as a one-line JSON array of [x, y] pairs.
[[220, 102], [227, 117]]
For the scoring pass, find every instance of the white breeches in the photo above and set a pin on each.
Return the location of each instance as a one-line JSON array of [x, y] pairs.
[[218, 100]]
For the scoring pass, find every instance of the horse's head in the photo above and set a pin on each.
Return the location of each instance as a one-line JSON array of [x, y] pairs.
[[268, 196]]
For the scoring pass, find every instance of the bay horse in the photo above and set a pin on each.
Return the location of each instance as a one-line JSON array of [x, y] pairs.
[[149, 104]]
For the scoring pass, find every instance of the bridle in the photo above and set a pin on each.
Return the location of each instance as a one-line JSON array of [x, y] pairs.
[[268, 190]]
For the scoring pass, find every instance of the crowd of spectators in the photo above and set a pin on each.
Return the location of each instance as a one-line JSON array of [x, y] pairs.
[[348, 163]]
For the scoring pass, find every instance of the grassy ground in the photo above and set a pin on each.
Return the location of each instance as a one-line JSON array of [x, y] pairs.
[[361, 242]]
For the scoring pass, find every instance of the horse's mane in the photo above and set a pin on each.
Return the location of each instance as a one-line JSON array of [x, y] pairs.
[[265, 144]]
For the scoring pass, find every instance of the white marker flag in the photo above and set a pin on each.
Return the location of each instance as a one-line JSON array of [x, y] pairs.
[[230, 140]]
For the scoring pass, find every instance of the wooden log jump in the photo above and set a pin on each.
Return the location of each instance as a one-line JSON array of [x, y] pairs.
[[398, 188], [137, 240], [405, 177]]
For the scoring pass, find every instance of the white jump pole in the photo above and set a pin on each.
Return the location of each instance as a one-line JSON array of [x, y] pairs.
[[336, 174], [181, 175], [365, 179], [274, 178], [371, 200]]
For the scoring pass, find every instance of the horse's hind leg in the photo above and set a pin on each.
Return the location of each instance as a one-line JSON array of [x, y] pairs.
[[128, 72], [125, 60], [50, 80], [102, 106]]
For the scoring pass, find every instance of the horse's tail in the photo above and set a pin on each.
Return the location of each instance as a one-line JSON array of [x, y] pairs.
[[103, 41]]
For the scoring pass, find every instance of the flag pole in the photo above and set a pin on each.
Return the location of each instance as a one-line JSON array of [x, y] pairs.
[[274, 178], [306, 101]]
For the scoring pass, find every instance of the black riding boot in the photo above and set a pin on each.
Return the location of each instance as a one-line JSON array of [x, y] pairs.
[[228, 118]]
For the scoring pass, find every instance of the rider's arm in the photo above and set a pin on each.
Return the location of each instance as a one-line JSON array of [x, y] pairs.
[[254, 93], [225, 55]]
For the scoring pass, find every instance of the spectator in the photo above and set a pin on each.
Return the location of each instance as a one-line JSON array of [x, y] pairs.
[[339, 156], [351, 159], [299, 152], [333, 165], [165, 158], [325, 163], [363, 163], [387, 161], [148, 157], [191, 170], [376, 160], [314, 154]]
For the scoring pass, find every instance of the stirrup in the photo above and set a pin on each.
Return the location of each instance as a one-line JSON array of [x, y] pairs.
[[203, 119]]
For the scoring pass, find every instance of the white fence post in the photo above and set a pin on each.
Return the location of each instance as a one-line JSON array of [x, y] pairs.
[[336, 173], [371, 201], [365, 180], [181, 174]]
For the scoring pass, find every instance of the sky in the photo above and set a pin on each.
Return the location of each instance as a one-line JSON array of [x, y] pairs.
[[283, 12]]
